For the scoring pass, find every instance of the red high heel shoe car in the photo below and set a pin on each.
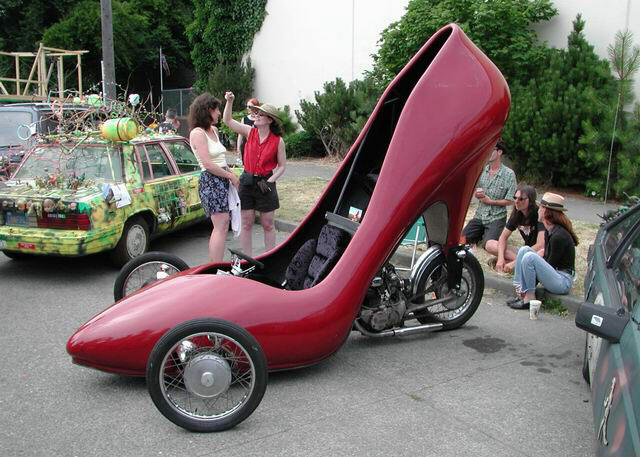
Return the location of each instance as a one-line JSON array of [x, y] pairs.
[[206, 337]]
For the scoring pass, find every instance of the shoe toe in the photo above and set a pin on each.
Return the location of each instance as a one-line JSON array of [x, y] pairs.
[[519, 305]]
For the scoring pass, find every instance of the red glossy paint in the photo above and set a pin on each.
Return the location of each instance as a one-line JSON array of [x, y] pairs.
[[450, 122]]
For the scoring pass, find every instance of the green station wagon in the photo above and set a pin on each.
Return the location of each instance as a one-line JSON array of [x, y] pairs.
[[611, 316], [88, 195]]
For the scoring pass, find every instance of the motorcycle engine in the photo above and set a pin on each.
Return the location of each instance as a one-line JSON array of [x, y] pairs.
[[384, 305]]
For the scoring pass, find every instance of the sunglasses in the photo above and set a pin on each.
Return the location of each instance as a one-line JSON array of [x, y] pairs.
[[520, 199]]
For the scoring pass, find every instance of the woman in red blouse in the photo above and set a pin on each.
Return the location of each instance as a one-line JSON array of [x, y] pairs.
[[265, 160]]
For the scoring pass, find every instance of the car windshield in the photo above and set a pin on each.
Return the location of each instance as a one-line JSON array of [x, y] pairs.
[[99, 162], [9, 123]]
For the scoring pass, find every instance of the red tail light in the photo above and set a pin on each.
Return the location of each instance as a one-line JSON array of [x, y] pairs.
[[65, 221]]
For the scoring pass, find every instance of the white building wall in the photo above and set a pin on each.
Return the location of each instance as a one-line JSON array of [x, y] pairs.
[[305, 43], [603, 19]]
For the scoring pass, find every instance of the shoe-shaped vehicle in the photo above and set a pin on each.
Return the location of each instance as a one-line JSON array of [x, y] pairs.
[[206, 337]]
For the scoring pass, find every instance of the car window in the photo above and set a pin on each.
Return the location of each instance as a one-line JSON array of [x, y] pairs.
[[145, 171], [159, 165], [183, 155], [615, 234], [100, 163], [628, 275], [10, 121]]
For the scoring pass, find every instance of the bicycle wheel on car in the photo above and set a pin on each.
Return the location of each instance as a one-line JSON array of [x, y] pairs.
[[464, 302], [144, 270], [207, 375]]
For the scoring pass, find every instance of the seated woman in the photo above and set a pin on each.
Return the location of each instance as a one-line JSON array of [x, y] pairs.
[[524, 217], [555, 271]]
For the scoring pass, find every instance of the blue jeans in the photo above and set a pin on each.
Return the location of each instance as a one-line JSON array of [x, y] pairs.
[[530, 267]]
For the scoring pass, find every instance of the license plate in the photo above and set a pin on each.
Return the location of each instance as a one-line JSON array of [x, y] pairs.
[[22, 245]]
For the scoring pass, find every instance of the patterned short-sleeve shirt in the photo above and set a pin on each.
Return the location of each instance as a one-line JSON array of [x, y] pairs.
[[502, 186]]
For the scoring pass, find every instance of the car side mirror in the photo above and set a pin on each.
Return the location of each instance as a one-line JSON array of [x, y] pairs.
[[602, 321]]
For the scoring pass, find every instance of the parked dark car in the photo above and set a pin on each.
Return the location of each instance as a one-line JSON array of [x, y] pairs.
[[611, 316]]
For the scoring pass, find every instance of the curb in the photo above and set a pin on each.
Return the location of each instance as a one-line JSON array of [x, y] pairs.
[[492, 281]]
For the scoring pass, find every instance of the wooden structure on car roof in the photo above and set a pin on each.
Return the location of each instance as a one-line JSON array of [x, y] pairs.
[[36, 86]]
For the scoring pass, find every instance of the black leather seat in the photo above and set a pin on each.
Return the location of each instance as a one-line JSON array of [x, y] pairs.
[[315, 258]]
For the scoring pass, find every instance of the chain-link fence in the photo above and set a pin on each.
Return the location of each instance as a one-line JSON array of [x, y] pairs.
[[178, 99]]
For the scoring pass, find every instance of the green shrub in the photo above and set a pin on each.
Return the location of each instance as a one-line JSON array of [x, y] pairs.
[[338, 113], [303, 144], [613, 146], [548, 112], [236, 77], [289, 125]]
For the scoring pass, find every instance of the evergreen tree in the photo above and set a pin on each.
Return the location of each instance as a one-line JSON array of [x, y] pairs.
[[548, 112], [613, 148]]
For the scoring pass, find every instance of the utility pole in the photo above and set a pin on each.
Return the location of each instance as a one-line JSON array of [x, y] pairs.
[[108, 65]]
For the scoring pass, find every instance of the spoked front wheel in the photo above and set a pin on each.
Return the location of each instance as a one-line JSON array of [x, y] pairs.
[[144, 270], [207, 375], [462, 303]]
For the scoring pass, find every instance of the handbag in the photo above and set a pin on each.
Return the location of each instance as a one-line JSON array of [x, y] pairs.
[[246, 179]]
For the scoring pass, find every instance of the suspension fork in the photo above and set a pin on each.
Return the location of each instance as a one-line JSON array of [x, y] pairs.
[[455, 260]]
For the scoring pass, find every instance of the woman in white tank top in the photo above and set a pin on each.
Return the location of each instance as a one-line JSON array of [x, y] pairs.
[[204, 113]]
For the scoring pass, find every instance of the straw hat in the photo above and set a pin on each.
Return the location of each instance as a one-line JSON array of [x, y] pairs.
[[553, 201], [270, 111]]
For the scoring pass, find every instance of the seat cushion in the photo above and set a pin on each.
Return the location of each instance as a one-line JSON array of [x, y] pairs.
[[297, 270], [331, 244]]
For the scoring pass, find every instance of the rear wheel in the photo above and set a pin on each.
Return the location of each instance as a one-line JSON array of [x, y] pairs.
[[144, 270], [133, 243], [207, 375], [464, 302]]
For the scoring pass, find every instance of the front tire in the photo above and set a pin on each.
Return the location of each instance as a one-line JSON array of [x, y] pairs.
[[207, 375], [585, 361], [144, 270], [133, 243], [433, 284]]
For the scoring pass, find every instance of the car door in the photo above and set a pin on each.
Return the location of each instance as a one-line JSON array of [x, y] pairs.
[[164, 185], [189, 170], [615, 374]]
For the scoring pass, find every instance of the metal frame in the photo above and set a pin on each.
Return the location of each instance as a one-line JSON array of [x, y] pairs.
[[43, 74]]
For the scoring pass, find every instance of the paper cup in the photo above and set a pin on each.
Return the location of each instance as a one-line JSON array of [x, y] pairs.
[[534, 309]]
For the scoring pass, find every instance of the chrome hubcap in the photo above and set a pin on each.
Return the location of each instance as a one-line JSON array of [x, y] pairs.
[[136, 241], [207, 376]]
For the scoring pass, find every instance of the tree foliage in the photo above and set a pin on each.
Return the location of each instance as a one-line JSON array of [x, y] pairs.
[[613, 146], [501, 28], [222, 32], [338, 113], [140, 27], [549, 111]]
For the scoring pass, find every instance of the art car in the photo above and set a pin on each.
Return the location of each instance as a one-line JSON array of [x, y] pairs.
[[80, 194], [205, 338], [611, 317]]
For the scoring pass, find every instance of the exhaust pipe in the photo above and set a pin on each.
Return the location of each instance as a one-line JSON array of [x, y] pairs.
[[399, 332]]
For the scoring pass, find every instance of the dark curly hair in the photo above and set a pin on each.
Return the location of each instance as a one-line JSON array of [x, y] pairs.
[[199, 115]]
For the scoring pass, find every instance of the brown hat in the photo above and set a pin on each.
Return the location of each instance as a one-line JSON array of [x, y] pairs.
[[553, 201], [270, 111]]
